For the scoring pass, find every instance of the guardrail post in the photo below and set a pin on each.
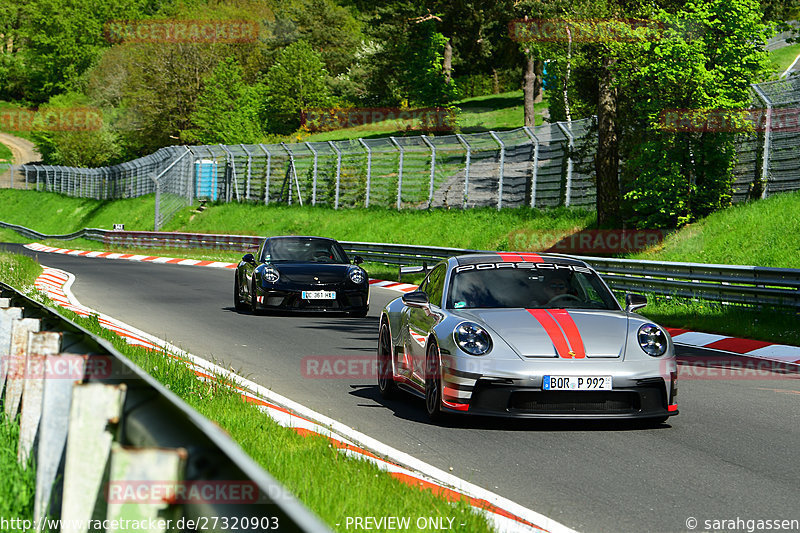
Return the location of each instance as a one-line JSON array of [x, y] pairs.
[[466, 145], [765, 157], [535, 164], [502, 169], [399, 171], [433, 168], [269, 168], [369, 169], [338, 172], [313, 175], [40, 345], [95, 411], [129, 466], [570, 146], [56, 403], [8, 317], [16, 362]]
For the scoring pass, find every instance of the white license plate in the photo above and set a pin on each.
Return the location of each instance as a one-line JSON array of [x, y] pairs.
[[319, 295], [576, 383]]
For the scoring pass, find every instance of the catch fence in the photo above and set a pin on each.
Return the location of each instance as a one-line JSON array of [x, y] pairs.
[[546, 166]]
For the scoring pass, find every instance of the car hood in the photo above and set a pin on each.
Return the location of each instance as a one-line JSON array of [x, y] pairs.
[[312, 272], [567, 333]]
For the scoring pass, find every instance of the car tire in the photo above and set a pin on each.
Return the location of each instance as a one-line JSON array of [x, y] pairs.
[[433, 384], [238, 304], [386, 384], [253, 297]]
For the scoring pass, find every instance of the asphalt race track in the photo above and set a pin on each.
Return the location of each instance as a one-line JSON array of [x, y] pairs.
[[731, 453]]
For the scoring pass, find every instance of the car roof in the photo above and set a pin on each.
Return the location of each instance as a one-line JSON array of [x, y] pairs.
[[299, 237], [516, 257]]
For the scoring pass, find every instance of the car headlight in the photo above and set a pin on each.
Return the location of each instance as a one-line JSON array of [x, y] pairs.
[[652, 340], [271, 274], [357, 275], [472, 338]]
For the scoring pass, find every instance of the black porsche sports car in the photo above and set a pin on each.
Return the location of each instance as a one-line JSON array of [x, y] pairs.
[[301, 274]]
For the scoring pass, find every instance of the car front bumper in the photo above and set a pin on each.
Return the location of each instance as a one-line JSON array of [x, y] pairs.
[[641, 389], [290, 299]]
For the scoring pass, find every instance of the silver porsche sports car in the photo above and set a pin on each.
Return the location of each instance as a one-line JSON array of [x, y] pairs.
[[525, 335]]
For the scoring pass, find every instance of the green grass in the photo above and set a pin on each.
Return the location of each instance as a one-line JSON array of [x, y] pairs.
[[763, 233], [484, 228], [330, 483], [53, 213], [5, 154], [495, 112], [18, 486], [780, 59]]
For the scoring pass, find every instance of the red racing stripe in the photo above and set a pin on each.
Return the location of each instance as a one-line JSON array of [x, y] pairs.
[[510, 257], [571, 331], [553, 331], [530, 257]]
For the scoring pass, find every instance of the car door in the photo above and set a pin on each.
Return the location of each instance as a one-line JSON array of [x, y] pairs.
[[247, 271], [421, 321]]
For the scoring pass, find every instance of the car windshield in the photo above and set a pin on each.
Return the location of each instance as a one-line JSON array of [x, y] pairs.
[[303, 250], [507, 285]]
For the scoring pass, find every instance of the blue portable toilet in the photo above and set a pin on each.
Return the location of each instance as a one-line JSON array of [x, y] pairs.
[[205, 179]]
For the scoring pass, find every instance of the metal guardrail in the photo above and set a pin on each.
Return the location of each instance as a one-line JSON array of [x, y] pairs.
[[129, 421], [750, 285]]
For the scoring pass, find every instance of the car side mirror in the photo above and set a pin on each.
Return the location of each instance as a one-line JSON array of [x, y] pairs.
[[357, 260], [248, 258], [416, 299], [634, 302]]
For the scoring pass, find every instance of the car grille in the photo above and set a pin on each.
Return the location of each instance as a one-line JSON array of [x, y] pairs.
[[568, 402], [324, 278]]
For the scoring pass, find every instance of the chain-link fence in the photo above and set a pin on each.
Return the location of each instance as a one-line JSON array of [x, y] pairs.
[[545, 166], [769, 157], [537, 167]]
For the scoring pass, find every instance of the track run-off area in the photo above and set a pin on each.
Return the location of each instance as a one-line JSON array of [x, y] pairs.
[[730, 455]]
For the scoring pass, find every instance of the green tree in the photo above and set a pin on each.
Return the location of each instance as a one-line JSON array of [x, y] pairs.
[[83, 142], [228, 111], [705, 59], [60, 39], [297, 81]]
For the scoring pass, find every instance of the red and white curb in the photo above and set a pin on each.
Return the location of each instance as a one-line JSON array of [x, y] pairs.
[[505, 515], [37, 247], [745, 347], [749, 348], [393, 285]]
